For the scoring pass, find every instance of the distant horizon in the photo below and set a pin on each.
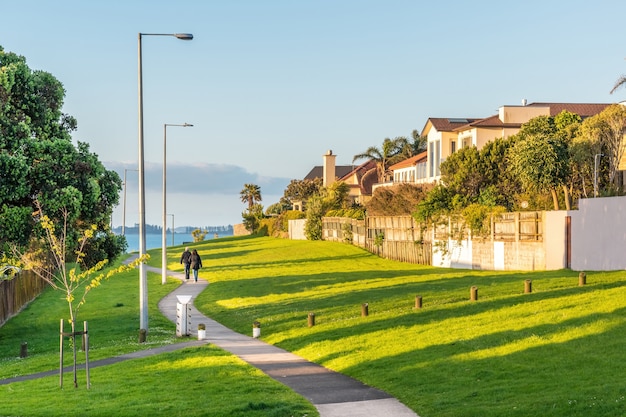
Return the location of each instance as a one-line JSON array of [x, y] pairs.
[[157, 229]]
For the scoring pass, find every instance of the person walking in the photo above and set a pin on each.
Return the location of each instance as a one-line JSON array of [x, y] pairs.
[[196, 263], [186, 260]]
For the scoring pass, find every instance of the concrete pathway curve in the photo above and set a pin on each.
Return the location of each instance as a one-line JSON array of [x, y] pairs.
[[332, 393]]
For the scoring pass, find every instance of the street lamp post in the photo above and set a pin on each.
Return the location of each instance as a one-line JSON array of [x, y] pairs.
[[164, 217], [596, 157], [124, 205], [143, 276]]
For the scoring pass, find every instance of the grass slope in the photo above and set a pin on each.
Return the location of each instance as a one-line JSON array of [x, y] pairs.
[[557, 351]]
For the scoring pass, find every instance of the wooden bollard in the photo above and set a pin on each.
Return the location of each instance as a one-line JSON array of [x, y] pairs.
[[418, 301], [528, 286], [364, 310], [311, 319], [582, 279], [23, 350], [142, 336], [474, 293]]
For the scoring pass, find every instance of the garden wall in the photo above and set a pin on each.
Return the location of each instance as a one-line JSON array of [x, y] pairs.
[[590, 238]]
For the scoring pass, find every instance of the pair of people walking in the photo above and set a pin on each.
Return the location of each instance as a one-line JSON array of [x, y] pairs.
[[192, 261]]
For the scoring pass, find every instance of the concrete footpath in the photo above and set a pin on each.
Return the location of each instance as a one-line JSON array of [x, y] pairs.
[[333, 394]]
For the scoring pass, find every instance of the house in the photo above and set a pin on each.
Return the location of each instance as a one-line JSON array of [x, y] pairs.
[[442, 140], [446, 136], [359, 179]]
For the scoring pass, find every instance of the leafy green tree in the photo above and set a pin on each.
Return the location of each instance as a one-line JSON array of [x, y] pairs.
[[316, 208], [252, 218], [462, 173], [541, 164], [391, 152], [251, 194], [39, 161], [300, 190]]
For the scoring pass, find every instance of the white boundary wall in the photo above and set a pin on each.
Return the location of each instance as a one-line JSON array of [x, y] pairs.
[[599, 234], [296, 229]]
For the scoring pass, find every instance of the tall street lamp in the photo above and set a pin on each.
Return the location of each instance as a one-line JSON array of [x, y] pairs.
[[124, 205], [143, 275], [164, 217]]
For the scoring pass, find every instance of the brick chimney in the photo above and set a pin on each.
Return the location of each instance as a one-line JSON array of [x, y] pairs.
[[329, 168]]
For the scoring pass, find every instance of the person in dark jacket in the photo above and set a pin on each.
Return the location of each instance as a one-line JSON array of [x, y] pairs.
[[196, 263], [186, 260]]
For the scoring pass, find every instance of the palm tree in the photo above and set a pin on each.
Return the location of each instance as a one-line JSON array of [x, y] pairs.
[[390, 153], [250, 194], [620, 82]]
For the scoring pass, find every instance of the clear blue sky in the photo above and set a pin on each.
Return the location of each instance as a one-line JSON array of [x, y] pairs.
[[272, 85]]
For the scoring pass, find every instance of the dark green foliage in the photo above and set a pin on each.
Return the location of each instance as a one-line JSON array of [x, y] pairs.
[[103, 246], [39, 160]]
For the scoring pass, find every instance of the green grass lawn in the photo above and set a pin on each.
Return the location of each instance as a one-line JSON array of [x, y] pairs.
[[189, 382], [558, 351]]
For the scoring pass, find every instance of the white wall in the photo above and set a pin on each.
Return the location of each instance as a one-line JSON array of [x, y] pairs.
[[599, 234], [296, 229], [555, 239]]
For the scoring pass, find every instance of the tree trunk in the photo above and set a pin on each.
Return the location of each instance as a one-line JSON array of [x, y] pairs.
[[555, 198], [568, 205]]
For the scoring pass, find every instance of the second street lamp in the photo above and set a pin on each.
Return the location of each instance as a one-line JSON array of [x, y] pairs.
[[164, 240]]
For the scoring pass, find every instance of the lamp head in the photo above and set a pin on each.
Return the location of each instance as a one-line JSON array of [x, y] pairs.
[[184, 36]]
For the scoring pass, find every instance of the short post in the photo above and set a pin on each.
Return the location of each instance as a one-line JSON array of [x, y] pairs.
[[364, 310], [418, 301], [474, 293], [256, 329], [201, 331], [311, 319], [582, 279], [23, 350], [142, 335], [86, 350], [528, 286]]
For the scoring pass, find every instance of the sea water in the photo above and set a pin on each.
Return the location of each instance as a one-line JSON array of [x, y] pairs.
[[154, 240]]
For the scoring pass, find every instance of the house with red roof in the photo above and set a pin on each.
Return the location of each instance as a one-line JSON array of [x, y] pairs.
[[447, 135]]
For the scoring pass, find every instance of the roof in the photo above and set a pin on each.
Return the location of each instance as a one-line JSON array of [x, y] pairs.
[[409, 162], [447, 124], [318, 171], [360, 170], [491, 121], [581, 109]]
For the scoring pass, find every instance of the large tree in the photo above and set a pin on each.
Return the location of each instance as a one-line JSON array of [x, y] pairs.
[[540, 158], [40, 162]]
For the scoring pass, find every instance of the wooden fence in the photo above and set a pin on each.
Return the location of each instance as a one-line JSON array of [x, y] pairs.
[[398, 237], [16, 293], [401, 238]]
